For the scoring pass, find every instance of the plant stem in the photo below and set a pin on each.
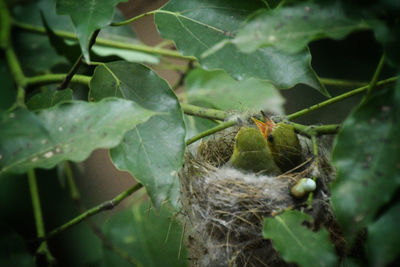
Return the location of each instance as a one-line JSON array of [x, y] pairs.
[[37, 212], [106, 42], [5, 23], [77, 63], [107, 205], [339, 98], [316, 130], [211, 131], [207, 113], [75, 195], [341, 83], [125, 22], [18, 75], [375, 77], [56, 78], [71, 182]]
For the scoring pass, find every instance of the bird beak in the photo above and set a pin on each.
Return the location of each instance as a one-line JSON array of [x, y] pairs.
[[264, 127]]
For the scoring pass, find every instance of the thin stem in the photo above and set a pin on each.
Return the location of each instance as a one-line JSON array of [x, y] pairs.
[[107, 205], [211, 131], [5, 22], [71, 181], [207, 113], [106, 42], [341, 83], [125, 22], [37, 212], [96, 230], [56, 78], [339, 98], [375, 77], [18, 75], [77, 63], [316, 130]]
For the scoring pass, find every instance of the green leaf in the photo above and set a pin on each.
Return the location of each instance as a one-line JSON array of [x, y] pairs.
[[153, 151], [68, 131], [296, 243], [13, 250], [87, 16], [220, 91], [48, 99], [36, 50], [197, 25], [383, 242], [291, 28], [365, 154], [69, 51], [151, 239]]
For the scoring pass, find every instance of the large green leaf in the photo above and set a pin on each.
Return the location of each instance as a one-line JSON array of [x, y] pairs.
[[48, 98], [220, 91], [68, 131], [150, 239], [383, 242], [87, 17], [153, 151], [298, 244], [366, 155], [197, 25], [291, 28]]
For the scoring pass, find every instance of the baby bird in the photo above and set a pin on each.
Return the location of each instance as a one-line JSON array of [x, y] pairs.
[[251, 152], [282, 141]]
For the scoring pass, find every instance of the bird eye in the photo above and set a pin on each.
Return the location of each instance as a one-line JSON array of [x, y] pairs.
[[270, 138]]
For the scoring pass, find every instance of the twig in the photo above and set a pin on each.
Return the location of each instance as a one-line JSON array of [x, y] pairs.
[[75, 195], [375, 77], [339, 98], [56, 78], [18, 75], [316, 130], [211, 131], [107, 205], [37, 212], [207, 113], [77, 63], [341, 83], [106, 42]]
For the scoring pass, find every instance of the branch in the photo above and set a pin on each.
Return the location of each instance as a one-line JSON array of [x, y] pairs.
[[37, 212], [77, 63], [338, 98], [341, 83], [107, 205], [375, 77], [106, 42], [211, 131], [207, 113], [316, 130], [75, 195], [56, 78], [18, 75]]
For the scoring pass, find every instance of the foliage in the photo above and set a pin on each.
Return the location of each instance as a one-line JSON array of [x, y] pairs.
[[240, 54]]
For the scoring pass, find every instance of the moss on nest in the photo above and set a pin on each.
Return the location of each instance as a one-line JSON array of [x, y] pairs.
[[224, 208]]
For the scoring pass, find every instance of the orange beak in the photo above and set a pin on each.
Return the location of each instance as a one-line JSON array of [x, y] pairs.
[[264, 127]]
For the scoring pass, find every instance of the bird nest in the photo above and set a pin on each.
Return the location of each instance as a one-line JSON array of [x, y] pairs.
[[224, 208]]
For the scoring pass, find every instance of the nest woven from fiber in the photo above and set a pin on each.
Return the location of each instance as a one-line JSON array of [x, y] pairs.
[[224, 208]]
